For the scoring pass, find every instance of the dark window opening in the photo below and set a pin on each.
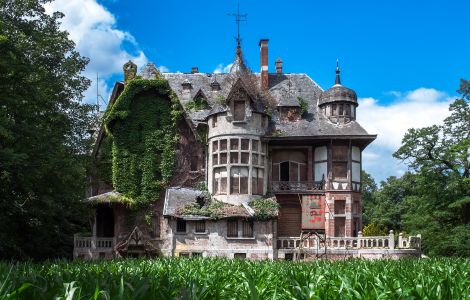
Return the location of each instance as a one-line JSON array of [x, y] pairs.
[[289, 256], [214, 121], [247, 228], [181, 226], [239, 255], [284, 176], [232, 228], [196, 254], [184, 254], [104, 222], [200, 226]]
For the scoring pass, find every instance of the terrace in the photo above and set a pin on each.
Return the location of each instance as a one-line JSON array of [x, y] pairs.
[[287, 187]]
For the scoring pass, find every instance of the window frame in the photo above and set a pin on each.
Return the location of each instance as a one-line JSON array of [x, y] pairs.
[[179, 226]]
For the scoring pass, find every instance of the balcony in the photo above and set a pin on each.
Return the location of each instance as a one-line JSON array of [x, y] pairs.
[[287, 187]]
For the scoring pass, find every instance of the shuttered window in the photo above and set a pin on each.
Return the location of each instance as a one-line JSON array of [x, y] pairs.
[[232, 228], [247, 228]]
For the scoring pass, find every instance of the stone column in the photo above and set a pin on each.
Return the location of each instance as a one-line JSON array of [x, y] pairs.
[[391, 240]]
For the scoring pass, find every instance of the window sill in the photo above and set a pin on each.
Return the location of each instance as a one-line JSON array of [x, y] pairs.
[[180, 233], [239, 122], [240, 238], [201, 233]]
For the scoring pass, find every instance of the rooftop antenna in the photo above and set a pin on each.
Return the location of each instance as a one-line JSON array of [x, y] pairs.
[[238, 19]]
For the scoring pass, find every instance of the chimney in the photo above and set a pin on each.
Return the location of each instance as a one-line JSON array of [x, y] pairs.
[[263, 47], [194, 70], [279, 66]]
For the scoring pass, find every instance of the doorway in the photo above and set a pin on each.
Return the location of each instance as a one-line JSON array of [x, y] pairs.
[[104, 222]]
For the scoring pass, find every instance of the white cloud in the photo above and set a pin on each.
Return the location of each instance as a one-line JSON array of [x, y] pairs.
[[93, 29], [223, 69], [413, 109], [163, 69]]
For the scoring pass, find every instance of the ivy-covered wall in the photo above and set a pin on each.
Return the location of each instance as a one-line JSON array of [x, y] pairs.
[[142, 125]]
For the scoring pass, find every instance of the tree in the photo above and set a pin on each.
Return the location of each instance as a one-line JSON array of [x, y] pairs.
[[43, 133], [439, 205]]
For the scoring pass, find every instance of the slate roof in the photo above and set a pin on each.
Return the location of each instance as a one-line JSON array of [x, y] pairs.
[[178, 197], [284, 88]]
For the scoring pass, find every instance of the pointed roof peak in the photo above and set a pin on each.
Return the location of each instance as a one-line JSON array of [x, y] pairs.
[[338, 79]]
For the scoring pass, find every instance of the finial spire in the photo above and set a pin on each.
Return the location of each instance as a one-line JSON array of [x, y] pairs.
[[338, 79], [238, 19]]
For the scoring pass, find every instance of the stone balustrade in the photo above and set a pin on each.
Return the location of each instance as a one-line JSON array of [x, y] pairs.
[[360, 242], [87, 245], [296, 186]]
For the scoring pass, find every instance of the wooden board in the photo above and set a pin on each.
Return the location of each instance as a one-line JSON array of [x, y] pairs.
[[313, 212], [288, 224]]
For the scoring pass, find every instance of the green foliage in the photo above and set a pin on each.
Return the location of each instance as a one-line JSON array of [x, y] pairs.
[[434, 199], [44, 143], [200, 103], [213, 209], [374, 229], [265, 208], [303, 106], [142, 123], [202, 278]]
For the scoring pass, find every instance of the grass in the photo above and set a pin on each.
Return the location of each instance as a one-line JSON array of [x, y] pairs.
[[237, 279]]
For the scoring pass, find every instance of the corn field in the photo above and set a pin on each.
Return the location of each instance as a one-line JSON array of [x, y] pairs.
[[201, 278]]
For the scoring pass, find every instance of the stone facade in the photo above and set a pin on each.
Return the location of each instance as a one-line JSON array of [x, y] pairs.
[[263, 135]]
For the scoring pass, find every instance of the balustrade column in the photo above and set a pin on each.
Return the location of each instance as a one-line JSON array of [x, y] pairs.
[[391, 240]]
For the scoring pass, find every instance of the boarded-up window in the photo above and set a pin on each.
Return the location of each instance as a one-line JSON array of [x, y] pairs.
[[239, 255], [254, 145], [214, 121], [215, 159], [340, 207], [215, 146], [340, 226], [239, 110], [232, 228], [155, 227], [239, 180], [220, 181], [200, 226], [340, 162], [340, 153], [340, 170], [181, 226], [341, 109], [247, 228], [257, 181], [254, 158]]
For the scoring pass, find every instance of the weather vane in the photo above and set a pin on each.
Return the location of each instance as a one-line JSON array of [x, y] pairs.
[[238, 19]]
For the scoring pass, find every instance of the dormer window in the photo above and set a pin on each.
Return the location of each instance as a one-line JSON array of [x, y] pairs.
[[186, 85], [239, 110]]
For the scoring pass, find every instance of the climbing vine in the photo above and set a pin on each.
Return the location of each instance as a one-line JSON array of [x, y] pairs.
[[142, 124]]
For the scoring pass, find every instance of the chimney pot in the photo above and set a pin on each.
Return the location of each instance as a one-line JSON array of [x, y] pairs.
[[194, 70], [279, 66]]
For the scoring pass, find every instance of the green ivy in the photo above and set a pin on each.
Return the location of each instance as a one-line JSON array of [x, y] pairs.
[[265, 208], [200, 103], [142, 124], [303, 106]]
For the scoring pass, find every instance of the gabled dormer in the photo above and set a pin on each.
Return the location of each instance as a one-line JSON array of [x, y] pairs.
[[239, 102]]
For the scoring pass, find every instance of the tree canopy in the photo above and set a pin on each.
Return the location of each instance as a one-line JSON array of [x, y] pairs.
[[434, 197], [44, 134]]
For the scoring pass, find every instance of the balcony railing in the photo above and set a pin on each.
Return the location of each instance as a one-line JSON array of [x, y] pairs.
[[88, 244], [359, 242], [296, 186]]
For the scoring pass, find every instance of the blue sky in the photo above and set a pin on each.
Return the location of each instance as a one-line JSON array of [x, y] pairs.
[[403, 58]]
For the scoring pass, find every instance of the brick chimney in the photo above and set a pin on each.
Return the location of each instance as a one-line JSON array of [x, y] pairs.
[[279, 66], [263, 47], [194, 70]]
